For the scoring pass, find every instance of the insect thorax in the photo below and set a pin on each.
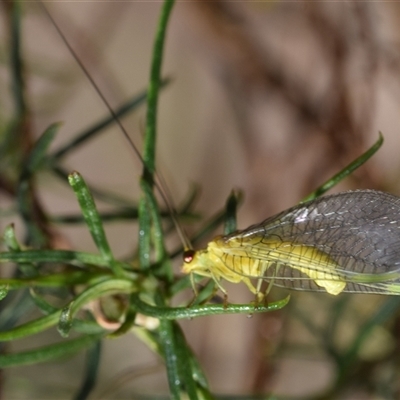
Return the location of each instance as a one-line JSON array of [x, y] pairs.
[[217, 262]]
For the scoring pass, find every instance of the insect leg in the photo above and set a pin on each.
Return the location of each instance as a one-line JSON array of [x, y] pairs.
[[261, 296], [216, 280], [272, 279], [264, 267], [193, 283]]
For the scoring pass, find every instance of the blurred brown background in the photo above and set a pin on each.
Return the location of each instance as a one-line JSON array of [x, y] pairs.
[[269, 97]]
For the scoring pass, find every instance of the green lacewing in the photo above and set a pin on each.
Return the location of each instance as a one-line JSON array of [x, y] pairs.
[[347, 242], [343, 243]]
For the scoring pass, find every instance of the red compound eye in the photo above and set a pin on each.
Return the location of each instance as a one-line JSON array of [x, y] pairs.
[[188, 256]]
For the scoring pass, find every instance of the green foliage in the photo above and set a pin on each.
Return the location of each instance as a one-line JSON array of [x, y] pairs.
[[40, 269]]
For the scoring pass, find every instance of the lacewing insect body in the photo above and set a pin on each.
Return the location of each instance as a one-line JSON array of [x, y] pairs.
[[347, 242]]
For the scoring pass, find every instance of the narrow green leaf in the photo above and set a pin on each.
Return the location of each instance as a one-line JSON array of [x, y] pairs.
[[234, 199], [91, 215], [346, 171], [93, 221], [48, 353], [10, 238], [154, 86], [16, 305], [198, 374], [98, 127], [30, 328], [205, 293], [144, 234], [91, 371], [156, 233], [41, 303], [149, 338], [171, 360], [184, 356], [36, 234], [38, 152], [204, 310], [101, 194], [16, 66]]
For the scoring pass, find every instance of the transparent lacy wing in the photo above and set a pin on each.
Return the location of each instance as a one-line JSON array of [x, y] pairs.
[[358, 230], [293, 279]]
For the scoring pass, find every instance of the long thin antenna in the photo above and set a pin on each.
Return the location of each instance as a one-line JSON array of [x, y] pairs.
[[162, 190]]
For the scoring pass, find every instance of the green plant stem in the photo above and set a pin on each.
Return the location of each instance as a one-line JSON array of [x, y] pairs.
[[185, 365], [77, 258], [144, 233], [154, 218], [149, 152], [154, 87], [168, 344], [162, 312]]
